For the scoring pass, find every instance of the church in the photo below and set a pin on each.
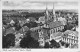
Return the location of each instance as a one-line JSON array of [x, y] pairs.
[[51, 26]]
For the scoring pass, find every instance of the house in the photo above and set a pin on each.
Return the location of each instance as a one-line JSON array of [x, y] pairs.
[[42, 19], [63, 20], [41, 39], [56, 36], [10, 30], [70, 37], [43, 35], [12, 22], [31, 19]]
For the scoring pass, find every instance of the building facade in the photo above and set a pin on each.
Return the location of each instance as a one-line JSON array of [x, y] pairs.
[[70, 37]]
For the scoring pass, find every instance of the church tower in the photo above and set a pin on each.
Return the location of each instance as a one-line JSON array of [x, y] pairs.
[[53, 11], [46, 14]]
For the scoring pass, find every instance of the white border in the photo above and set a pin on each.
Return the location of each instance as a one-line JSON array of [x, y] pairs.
[[41, 50]]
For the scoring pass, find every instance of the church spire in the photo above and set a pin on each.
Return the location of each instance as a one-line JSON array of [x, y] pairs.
[[54, 13], [47, 14], [53, 9]]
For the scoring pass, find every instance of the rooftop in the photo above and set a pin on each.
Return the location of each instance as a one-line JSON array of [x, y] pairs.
[[55, 24], [75, 33], [58, 34]]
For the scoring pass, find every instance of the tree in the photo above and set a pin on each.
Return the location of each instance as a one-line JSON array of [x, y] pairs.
[[8, 40], [62, 43], [31, 24], [17, 26], [46, 45], [66, 45], [29, 42], [54, 44], [35, 35]]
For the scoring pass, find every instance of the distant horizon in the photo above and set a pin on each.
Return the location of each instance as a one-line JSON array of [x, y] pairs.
[[39, 9]]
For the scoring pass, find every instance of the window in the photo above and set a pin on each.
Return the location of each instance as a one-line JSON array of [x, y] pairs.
[[63, 39], [72, 37], [55, 30], [61, 28], [41, 42], [42, 38], [47, 26], [51, 36], [58, 28], [74, 41], [51, 31], [76, 38]]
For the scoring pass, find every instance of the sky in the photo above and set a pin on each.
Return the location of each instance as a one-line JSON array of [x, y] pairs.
[[39, 4]]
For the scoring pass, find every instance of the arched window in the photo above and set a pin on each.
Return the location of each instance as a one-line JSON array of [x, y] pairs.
[[63, 39], [55, 30], [51, 31]]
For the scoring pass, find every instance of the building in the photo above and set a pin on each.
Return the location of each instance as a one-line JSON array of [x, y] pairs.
[[10, 30], [42, 19], [56, 27], [56, 36], [41, 39], [70, 37], [49, 28], [63, 20]]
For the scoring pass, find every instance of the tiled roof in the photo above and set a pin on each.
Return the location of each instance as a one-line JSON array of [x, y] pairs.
[[55, 24], [69, 32], [57, 34], [10, 30], [25, 29]]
